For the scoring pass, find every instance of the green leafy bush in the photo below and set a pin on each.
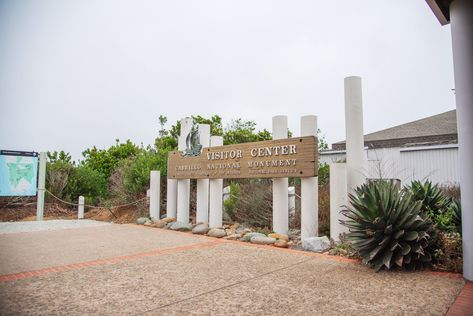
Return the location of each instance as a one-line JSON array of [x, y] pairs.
[[230, 203], [433, 200], [136, 171], [386, 228]]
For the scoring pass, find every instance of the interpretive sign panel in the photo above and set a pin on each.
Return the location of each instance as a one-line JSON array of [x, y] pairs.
[[18, 173], [290, 157]]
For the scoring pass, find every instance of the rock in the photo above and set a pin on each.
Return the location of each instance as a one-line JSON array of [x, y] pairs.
[[141, 220], [279, 236], [158, 223], [180, 226], [233, 237], [262, 240], [169, 219], [230, 231], [281, 243], [316, 244], [235, 226], [200, 228], [148, 223], [217, 232], [248, 236]]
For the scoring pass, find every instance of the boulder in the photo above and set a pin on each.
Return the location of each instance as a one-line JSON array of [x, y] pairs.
[[148, 223], [169, 219], [281, 243], [158, 223], [232, 237], [316, 244], [217, 232], [262, 240], [142, 220], [180, 226], [200, 228], [279, 236], [248, 236]]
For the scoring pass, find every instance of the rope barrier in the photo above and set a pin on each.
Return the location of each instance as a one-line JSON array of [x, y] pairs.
[[96, 206]]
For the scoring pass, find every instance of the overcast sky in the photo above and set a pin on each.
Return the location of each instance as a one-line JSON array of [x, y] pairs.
[[74, 74]]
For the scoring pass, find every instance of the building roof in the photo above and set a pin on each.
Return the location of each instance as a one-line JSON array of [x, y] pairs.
[[437, 129], [441, 9]]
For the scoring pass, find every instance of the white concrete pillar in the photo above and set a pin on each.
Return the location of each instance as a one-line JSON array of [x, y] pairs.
[[356, 156], [461, 20], [309, 188], [338, 198], [154, 194], [183, 185], [171, 198], [280, 198], [41, 186], [202, 207], [80, 210], [216, 192], [291, 192]]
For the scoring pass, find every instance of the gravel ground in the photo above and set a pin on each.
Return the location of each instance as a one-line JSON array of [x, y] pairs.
[[37, 226]]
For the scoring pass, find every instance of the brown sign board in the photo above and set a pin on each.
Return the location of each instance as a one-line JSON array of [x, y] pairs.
[[281, 158]]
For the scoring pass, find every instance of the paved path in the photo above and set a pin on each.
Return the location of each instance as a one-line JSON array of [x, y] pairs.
[[129, 270]]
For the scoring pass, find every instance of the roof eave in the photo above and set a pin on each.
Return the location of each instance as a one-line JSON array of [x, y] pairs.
[[441, 10]]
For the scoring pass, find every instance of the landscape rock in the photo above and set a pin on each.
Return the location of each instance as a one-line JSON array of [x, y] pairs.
[[169, 219], [141, 220], [158, 223], [200, 228], [281, 243], [217, 232], [148, 223], [233, 237], [316, 244], [279, 236], [248, 236], [180, 226], [263, 240]]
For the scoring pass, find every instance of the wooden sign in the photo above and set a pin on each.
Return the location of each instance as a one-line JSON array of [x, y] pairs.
[[282, 158]]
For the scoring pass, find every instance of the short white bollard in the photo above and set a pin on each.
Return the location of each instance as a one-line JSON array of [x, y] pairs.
[[171, 198], [80, 211], [280, 198], [202, 203], [154, 193], [216, 192], [309, 188], [338, 198]]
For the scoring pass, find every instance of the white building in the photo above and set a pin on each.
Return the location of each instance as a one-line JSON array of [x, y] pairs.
[[419, 150]]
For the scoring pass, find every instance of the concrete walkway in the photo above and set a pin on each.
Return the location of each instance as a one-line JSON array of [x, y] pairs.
[[129, 269]]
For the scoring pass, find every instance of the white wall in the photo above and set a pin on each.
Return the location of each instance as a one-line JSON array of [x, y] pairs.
[[436, 163]]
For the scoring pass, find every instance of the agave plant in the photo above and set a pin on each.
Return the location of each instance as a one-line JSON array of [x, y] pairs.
[[433, 199], [456, 209], [386, 228]]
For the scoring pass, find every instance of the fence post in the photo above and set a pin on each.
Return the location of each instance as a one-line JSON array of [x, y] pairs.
[[215, 192], [171, 198], [202, 207], [338, 198], [309, 187], [41, 186], [280, 197], [154, 194], [80, 212]]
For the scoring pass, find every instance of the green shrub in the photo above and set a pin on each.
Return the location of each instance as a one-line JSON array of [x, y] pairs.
[[136, 171], [87, 182], [433, 200], [456, 219], [230, 203], [386, 228]]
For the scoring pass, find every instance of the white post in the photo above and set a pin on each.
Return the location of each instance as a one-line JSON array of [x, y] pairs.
[[338, 198], [309, 188], [154, 193], [202, 207], [291, 192], [183, 186], [461, 20], [80, 211], [41, 186], [280, 198], [171, 198], [215, 192], [356, 156]]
